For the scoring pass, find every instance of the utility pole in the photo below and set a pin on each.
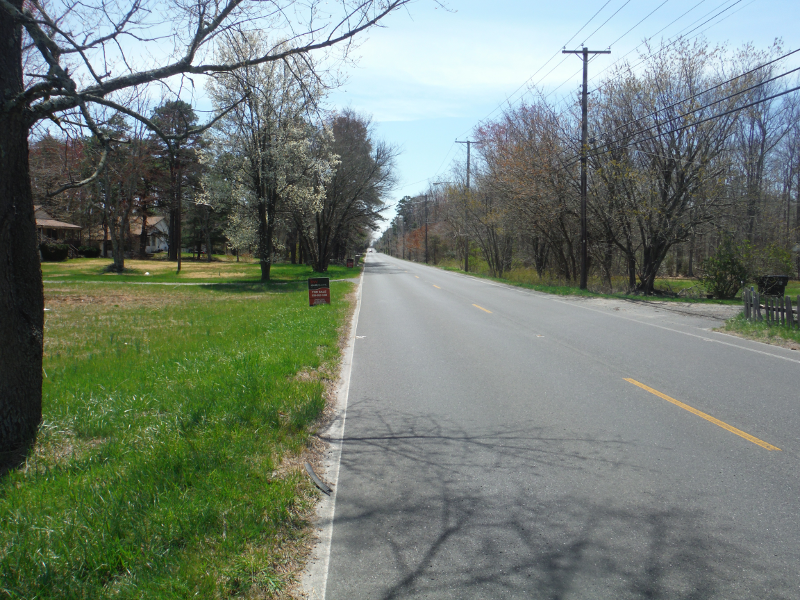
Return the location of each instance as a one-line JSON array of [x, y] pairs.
[[466, 200], [403, 221], [426, 229], [585, 52]]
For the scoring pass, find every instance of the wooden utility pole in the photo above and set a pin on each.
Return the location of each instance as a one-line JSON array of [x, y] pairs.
[[426, 229], [466, 201], [585, 52], [403, 220]]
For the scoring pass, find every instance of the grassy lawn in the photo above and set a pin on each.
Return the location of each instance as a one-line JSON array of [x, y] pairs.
[[167, 463], [222, 269]]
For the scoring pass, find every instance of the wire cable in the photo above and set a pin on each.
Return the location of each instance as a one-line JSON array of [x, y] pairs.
[[682, 127], [494, 110], [714, 87], [679, 36], [606, 21], [639, 23]]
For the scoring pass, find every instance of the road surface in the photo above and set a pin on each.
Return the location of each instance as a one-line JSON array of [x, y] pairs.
[[502, 443]]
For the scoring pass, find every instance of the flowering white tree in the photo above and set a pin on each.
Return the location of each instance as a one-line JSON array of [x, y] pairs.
[[270, 134]]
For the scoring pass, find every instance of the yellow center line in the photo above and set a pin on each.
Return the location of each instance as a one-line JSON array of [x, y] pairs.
[[703, 415], [436, 286], [483, 309], [417, 276]]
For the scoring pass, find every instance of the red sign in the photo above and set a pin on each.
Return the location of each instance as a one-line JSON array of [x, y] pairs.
[[351, 263], [319, 291]]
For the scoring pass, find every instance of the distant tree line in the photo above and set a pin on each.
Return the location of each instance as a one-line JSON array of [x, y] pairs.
[[276, 177], [694, 152]]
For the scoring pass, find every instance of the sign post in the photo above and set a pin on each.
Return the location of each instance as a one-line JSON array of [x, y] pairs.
[[319, 291]]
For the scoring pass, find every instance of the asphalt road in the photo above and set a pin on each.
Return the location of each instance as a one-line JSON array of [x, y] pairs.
[[497, 445]]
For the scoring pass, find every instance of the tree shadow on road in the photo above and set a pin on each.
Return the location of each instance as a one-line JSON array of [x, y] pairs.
[[523, 512], [379, 267]]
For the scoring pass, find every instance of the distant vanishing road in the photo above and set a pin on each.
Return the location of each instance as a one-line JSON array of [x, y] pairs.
[[502, 443]]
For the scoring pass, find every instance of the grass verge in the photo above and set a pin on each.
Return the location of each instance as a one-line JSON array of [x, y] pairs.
[[527, 278], [170, 416], [778, 335]]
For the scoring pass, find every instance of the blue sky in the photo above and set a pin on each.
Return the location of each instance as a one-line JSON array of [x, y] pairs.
[[430, 75]]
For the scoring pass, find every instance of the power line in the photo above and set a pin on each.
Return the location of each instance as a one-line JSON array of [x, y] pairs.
[[706, 91], [639, 23], [714, 87], [679, 36], [494, 110], [719, 10], [606, 21], [682, 127]]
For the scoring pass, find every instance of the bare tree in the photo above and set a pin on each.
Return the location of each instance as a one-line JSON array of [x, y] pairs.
[[525, 155], [76, 54], [660, 159], [759, 129]]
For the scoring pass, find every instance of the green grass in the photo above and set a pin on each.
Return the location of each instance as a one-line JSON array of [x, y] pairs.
[[528, 278], [169, 413], [162, 271], [762, 331]]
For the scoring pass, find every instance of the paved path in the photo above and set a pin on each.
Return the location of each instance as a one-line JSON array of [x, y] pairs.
[[502, 443]]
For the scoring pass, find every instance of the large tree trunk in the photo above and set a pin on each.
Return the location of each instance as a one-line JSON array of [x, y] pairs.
[[175, 213], [652, 257], [631, 260], [209, 256], [105, 231], [143, 237], [171, 255], [264, 240], [319, 250], [21, 296]]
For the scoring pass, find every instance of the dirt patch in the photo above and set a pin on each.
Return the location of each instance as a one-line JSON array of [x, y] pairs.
[[721, 312], [58, 450], [695, 309], [61, 298], [304, 375]]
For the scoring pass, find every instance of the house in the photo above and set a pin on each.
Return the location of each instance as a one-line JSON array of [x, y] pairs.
[[50, 230], [157, 230]]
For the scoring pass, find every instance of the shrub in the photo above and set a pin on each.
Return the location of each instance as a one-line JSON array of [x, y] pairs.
[[725, 272], [89, 251], [770, 260], [54, 252]]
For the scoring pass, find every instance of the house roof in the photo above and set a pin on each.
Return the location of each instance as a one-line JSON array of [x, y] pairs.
[[45, 221], [53, 224], [136, 224]]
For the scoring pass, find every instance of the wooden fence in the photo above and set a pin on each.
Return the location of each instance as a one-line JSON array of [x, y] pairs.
[[772, 309]]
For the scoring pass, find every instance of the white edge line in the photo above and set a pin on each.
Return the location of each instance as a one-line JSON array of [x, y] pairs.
[[315, 577], [555, 298], [694, 335]]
